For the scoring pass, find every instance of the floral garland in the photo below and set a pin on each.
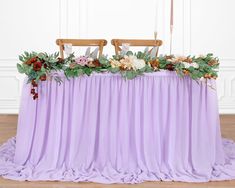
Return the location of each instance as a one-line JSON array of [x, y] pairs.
[[39, 66]]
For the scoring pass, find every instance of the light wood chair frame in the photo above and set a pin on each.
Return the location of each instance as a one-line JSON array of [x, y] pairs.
[[135, 42], [81, 42]]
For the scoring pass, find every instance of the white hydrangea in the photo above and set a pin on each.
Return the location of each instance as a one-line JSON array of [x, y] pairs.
[[187, 65], [195, 65], [138, 63]]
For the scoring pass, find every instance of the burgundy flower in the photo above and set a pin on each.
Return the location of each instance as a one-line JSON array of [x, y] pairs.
[[60, 60], [45, 65], [170, 67], [37, 66]]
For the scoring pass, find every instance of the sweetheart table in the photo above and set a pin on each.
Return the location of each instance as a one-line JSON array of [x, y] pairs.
[[106, 129]]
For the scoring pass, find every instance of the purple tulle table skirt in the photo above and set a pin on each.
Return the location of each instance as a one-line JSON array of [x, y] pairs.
[[106, 129]]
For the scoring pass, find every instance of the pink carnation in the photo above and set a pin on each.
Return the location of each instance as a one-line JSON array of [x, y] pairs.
[[82, 60]]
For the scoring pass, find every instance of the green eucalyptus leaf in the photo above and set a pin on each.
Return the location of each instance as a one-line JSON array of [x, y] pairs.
[[20, 68], [130, 75], [129, 53], [114, 70]]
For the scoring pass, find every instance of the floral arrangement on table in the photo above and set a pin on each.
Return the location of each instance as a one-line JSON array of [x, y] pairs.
[[43, 66], [131, 65]]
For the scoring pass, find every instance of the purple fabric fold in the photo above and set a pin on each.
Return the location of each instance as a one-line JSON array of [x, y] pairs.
[[106, 129]]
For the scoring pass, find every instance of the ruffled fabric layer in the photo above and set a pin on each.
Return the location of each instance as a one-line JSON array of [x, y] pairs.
[[10, 170]]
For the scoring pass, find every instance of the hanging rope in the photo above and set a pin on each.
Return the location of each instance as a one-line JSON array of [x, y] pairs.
[[171, 24]]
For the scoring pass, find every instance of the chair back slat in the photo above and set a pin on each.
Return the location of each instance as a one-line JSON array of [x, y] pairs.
[[135, 42], [81, 42]]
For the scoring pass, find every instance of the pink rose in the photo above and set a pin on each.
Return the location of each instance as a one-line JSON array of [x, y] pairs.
[[82, 60]]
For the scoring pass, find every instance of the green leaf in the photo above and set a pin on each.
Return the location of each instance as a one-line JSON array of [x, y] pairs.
[[114, 70], [130, 75], [26, 54], [20, 68], [191, 69], [21, 58], [103, 60], [88, 71], [129, 53]]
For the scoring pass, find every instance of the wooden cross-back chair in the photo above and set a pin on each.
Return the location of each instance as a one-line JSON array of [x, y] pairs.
[[134, 42], [81, 42]]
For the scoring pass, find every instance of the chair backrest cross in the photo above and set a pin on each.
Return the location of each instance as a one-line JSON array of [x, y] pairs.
[[135, 42], [81, 42]]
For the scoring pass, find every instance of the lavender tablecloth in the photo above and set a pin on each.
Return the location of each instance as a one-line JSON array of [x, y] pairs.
[[106, 129]]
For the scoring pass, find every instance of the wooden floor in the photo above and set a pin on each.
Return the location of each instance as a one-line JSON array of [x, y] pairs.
[[8, 129]]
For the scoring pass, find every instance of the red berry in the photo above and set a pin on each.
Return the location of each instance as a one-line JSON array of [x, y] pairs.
[[34, 84], [43, 77], [35, 96], [33, 91]]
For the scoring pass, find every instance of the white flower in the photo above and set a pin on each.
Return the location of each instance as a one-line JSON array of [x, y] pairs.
[[90, 59], [195, 65], [187, 65], [138, 63], [127, 62]]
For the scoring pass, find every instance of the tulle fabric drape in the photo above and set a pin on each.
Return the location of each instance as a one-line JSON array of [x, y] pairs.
[[106, 129]]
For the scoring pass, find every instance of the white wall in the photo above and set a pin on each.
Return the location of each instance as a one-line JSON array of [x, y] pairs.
[[201, 26]]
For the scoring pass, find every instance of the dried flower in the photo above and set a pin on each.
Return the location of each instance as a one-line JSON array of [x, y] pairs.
[[127, 62], [90, 64], [213, 62], [96, 62], [186, 72], [207, 75], [72, 65], [115, 63], [31, 61], [169, 57], [154, 64], [188, 60]]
